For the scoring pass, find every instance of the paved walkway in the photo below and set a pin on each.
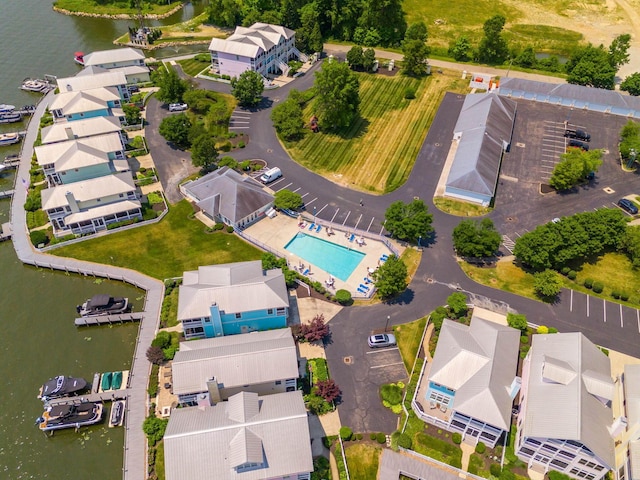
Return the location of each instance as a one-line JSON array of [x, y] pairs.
[[135, 448]]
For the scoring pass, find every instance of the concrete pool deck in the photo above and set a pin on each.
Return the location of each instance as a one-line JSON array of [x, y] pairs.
[[277, 232]]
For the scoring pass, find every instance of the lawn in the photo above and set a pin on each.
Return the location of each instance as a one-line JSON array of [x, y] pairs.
[[114, 8], [408, 336], [193, 67], [377, 152], [614, 270], [460, 209], [539, 23], [165, 249], [436, 448], [362, 461]]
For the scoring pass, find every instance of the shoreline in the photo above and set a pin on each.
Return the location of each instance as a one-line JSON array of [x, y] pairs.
[[118, 16]]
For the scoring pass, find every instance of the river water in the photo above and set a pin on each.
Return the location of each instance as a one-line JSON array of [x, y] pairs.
[[37, 337]]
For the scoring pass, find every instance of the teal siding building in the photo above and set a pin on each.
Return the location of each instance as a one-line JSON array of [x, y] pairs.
[[230, 299]]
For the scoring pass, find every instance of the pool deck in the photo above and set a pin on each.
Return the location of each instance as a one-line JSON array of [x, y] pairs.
[[277, 232]]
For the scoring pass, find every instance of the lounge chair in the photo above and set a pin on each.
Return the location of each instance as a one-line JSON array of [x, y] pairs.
[[443, 408], [353, 235], [366, 280], [432, 405], [362, 291], [312, 226], [384, 257], [319, 228], [306, 272], [364, 287]]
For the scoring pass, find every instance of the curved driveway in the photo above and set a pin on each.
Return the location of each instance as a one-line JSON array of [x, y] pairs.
[[438, 274]]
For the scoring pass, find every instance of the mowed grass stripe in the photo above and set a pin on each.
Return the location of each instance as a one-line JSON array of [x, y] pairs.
[[377, 152]]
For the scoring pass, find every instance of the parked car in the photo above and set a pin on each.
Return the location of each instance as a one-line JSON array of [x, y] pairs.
[[133, 88], [178, 107], [578, 144], [271, 175], [382, 340], [628, 205], [579, 134]]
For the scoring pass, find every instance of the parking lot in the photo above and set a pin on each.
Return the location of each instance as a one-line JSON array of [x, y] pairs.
[[522, 201]]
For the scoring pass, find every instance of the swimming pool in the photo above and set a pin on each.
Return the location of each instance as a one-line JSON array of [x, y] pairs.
[[339, 261]]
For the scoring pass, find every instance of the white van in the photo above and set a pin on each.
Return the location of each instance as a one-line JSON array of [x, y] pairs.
[[271, 175]]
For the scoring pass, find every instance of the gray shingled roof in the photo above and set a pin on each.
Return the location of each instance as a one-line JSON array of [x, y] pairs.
[[228, 193], [206, 442], [234, 287], [569, 392], [485, 125], [235, 360], [479, 362], [632, 404]]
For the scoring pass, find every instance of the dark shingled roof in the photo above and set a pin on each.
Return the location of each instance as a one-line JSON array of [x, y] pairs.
[[226, 192], [569, 95], [485, 125]]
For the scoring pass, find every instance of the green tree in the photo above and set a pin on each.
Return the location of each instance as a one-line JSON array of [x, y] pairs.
[[619, 50], [384, 16], [493, 47], [285, 199], [204, 153], [473, 238], [517, 321], [631, 84], [391, 277], [337, 95], [574, 167], [247, 88], [526, 58], [630, 244], [591, 66], [355, 57], [416, 31], [309, 36], [154, 428], [461, 49], [457, 302], [415, 58], [175, 129], [408, 221], [131, 114], [287, 120], [368, 59], [225, 13], [546, 284], [172, 87]]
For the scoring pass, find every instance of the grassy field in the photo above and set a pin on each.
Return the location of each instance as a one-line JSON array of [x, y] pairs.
[[165, 249], [614, 270], [539, 23], [114, 8], [362, 461], [436, 448], [192, 67], [408, 336], [461, 209], [378, 151]]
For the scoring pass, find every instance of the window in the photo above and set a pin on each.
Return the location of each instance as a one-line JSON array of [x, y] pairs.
[[280, 311], [559, 463], [269, 311], [238, 315], [526, 451], [278, 382], [566, 454], [121, 195]]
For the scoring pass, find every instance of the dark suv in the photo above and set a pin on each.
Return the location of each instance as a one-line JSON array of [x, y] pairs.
[[578, 144], [579, 134], [628, 205]]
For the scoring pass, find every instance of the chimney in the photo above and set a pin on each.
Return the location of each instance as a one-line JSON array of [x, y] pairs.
[[73, 203], [69, 132], [214, 391]]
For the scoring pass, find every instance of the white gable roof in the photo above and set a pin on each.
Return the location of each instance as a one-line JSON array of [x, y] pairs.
[[117, 55], [89, 82], [88, 190], [79, 153], [84, 101], [251, 41], [59, 132]]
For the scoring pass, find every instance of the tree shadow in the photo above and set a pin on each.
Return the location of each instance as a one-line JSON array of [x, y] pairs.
[[357, 129], [404, 298]]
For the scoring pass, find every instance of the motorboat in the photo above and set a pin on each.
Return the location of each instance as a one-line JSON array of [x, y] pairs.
[[57, 417], [117, 413], [6, 108], [116, 381], [10, 117], [103, 305], [9, 139], [61, 386], [35, 85], [78, 57]]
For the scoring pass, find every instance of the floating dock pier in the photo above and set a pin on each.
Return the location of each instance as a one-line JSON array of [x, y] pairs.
[[5, 232], [108, 319]]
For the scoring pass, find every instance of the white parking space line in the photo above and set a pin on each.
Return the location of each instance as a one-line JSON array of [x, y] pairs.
[[299, 188], [238, 121], [334, 215], [358, 222], [604, 310], [325, 206], [311, 201], [304, 195], [638, 318], [345, 219], [621, 319], [571, 302], [287, 185], [239, 128], [381, 230], [370, 223], [380, 350], [387, 365]]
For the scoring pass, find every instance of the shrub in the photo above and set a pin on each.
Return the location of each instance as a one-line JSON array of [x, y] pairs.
[[572, 275], [495, 469], [225, 147], [404, 441], [327, 442], [409, 93], [381, 438], [565, 270], [615, 294], [553, 330], [343, 297], [241, 144], [480, 447], [358, 436], [624, 296], [162, 340], [38, 237], [229, 228], [543, 330], [456, 438], [373, 435], [154, 198], [524, 339], [397, 409], [588, 283], [598, 287], [346, 433], [391, 393], [153, 389]]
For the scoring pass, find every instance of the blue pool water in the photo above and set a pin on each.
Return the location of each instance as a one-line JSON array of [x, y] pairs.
[[339, 261]]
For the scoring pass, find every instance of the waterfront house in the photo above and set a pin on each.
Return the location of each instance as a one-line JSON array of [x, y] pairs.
[[627, 426], [262, 47], [129, 61], [78, 160], [470, 385], [98, 102], [89, 206], [63, 131], [565, 409], [211, 370], [229, 197], [89, 79], [247, 437], [232, 298]]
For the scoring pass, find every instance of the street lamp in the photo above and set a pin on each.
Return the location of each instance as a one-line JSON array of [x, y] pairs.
[[419, 240], [387, 324], [314, 214]]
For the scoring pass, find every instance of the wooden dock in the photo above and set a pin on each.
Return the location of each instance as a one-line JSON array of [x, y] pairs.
[[109, 396], [6, 194], [108, 319], [5, 232]]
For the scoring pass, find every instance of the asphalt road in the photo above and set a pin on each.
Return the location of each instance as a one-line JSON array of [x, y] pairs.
[[518, 208]]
